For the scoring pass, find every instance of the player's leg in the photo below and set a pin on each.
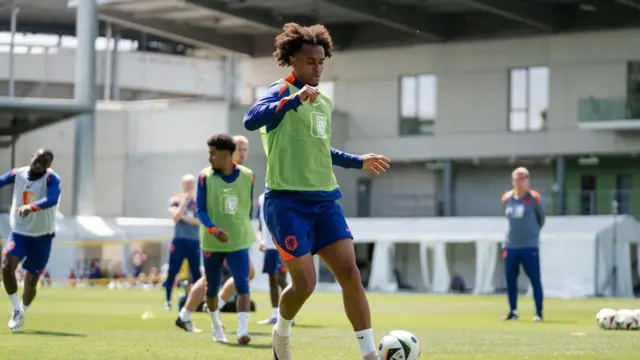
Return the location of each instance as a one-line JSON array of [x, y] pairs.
[[290, 227], [196, 294], [239, 264], [37, 257], [228, 290], [531, 265], [176, 257], [334, 245], [193, 257], [270, 267], [14, 251], [511, 271], [213, 275]]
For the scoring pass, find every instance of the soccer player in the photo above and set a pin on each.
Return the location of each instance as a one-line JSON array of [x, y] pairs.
[[300, 203], [186, 239], [225, 204], [197, 291], [272, 265], [525, 214], [36, 192]]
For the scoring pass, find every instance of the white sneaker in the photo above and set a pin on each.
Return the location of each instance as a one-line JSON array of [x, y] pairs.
[[17, 320], [281, 346], [167, 305], [218, 335]]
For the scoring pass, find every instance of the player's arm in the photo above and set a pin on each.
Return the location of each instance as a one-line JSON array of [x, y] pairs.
[[8, 178], [253, 181], [346, 160], [176, 207], [540, 213], [271, 108], [201, 205], [54, 190]]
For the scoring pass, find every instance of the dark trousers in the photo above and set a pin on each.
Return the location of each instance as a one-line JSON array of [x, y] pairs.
[[529, 258]]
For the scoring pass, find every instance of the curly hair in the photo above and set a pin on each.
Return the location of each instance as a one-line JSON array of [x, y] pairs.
[[222, 142], [294, 36]]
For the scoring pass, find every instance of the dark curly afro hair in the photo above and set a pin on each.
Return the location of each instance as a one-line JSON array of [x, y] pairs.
[[294, 36]]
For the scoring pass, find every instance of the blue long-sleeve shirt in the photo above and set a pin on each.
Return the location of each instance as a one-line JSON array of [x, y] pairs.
[[201, 196], [526, 218], [269, 112], [54, 188]]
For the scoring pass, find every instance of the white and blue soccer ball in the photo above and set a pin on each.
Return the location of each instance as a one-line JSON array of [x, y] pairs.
[[399, 345], [607, 319], [627, 319]]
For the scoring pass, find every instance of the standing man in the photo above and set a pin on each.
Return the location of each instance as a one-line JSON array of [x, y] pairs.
[[225, 204], [186, 241], [300, 202], [524, 212], [228, 291], [36, 192], [272, 265]]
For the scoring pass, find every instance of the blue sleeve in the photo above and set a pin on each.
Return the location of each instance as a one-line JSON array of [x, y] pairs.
[[271, 108], [346, 160], [201, 203], [8, 178], [54, 189]]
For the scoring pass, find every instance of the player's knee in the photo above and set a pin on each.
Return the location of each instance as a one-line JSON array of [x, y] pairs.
[[242, 286], [305, 285], [8, 265], [349, 275], [212, 292]]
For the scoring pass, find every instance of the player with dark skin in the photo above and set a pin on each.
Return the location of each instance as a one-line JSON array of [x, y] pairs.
[[40, 162]]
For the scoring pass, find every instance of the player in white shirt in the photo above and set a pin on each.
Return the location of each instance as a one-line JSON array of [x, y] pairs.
[[36, 192], [272, 264]]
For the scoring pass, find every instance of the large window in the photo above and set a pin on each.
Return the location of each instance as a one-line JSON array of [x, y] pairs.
[[418, 104], [529, 98], [588, 195], [624, 186]]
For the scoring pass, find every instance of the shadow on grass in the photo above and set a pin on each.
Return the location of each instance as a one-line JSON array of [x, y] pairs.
[[251, 346], [50, 333]]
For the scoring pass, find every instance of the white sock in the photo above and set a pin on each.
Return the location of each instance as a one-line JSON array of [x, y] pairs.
[[275, 313], [24, 308], [365, 341], [185, 315], [221, 303], [283, 326], [15, 301], [215, 319], [243, 323]]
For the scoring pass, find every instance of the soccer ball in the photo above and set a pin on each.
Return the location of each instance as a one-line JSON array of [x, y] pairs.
[[606, 319], [627, 320], [399, 345]]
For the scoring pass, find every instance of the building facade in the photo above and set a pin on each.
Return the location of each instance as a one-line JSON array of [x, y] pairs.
[[456, 119]]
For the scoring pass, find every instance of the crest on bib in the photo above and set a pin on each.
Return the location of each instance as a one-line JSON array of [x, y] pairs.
[[319, 125], [229, 202]]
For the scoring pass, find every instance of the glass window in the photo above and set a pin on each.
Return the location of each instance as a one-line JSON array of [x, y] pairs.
[[528, 98], [418, 104]]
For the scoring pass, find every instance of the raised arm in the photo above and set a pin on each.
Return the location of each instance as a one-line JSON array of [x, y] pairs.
[[346, 160], [271, 108], [54, 190], [176, 207], [8, 178], [201, 205]]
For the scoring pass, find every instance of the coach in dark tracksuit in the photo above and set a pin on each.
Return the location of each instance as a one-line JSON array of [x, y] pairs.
[[523, 209]]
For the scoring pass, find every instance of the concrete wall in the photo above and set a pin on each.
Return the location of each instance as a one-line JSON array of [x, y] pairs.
[[473, 94], [141, 153], [136, 70]]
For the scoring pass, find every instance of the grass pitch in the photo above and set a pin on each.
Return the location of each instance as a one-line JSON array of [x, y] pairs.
[[96, 323]]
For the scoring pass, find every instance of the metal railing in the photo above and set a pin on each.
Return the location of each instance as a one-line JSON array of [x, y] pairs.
[[608, 109], [596, 202]]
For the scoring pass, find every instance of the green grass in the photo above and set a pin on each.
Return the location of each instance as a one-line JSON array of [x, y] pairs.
[[100, 324]]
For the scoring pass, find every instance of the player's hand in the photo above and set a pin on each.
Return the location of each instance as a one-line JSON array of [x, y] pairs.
[[189, 196], [24, 210], [263, 246], [222, 236], [308, 93], [375, 163]]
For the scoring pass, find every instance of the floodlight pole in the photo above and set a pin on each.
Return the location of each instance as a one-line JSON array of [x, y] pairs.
[[14, 25]]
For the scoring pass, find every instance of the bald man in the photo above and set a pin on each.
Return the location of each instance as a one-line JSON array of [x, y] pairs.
[[186, 240], [228, 290]]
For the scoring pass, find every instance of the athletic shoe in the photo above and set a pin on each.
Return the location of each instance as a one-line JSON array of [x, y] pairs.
[[511, 316], [244, 339], [537, 318], [188, 326], [372, 356], [17, 320], [281, 346], [167, 305], [269, 321], [218, 335]]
